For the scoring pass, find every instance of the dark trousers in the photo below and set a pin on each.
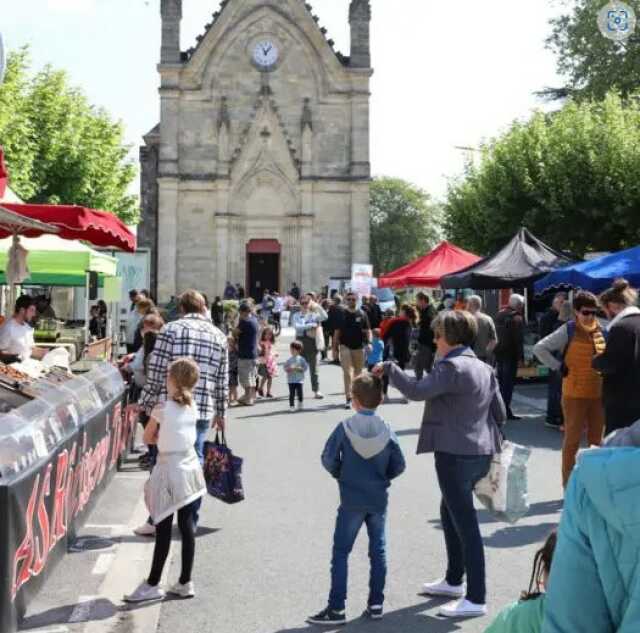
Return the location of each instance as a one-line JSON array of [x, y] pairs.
[[457, 476], [295, 389], [348, 524], [507, 373], [423, 362], [619, 417], [163, 543], [310, 354], [554, 398], [385, 378]]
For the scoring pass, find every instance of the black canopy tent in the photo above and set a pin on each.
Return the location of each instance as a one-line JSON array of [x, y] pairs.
[[523, 261]]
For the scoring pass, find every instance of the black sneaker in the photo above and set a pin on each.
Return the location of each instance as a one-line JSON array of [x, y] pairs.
[[347, 404], [328, 617], [373, 612]]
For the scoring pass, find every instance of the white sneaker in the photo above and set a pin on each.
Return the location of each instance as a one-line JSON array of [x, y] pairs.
[[184, 591], [300, 406], [146, 529], [319, 395], [144, 593], [443, 588], [462, 609], [292, 409]]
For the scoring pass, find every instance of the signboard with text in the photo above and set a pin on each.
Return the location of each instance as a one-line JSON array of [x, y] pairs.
[[361, 279]]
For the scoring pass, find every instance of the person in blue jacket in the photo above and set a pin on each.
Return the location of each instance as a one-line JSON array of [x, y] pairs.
[[363, 454], [595, 576]]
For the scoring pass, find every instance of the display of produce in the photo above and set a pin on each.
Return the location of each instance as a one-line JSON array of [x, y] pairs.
[[37, 414], [13, 374]]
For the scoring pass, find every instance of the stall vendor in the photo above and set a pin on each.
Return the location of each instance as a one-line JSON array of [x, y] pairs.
[[16, 335]]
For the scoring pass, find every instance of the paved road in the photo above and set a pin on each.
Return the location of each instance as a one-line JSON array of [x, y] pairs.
[[262, 566]]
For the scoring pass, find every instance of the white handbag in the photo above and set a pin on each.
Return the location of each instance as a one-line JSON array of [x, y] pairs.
[[504, 490]]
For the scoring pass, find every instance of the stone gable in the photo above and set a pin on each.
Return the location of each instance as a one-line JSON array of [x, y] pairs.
[[246, 153]]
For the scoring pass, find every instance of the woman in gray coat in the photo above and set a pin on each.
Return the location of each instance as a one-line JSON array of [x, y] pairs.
[[461, 426]]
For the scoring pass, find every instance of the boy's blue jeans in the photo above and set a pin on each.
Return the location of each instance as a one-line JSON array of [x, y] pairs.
[[348, 525]]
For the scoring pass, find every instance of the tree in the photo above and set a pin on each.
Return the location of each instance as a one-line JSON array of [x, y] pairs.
[[58, 147], [593, 64], [405, 223], [572, 178]]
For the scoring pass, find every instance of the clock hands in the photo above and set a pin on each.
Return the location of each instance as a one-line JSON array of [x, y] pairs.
[[267, 50]]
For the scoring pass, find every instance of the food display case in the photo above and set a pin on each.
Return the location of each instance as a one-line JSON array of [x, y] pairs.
[[61, 436]]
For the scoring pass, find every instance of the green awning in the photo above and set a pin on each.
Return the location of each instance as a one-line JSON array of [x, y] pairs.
[[53, 261]]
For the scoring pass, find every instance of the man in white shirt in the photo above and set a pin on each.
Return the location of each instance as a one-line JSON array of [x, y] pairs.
[[16, 335]]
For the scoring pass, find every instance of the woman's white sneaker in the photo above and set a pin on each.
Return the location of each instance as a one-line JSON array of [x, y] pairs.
[[462, 609], [144, 593], [184, 591], [443, 588], [146, 529]]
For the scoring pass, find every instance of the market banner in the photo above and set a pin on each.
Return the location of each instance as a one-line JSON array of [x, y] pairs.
[[43, 507]]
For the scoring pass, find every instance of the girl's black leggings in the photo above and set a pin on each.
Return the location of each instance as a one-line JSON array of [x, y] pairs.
[[163, 544]]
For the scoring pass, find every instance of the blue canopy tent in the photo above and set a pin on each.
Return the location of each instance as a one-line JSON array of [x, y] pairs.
[[596, 275]]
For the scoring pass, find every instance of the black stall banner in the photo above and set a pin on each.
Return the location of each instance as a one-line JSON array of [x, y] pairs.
[[46, 505]]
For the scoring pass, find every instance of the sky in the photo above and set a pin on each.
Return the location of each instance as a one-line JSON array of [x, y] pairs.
[[446, 74]]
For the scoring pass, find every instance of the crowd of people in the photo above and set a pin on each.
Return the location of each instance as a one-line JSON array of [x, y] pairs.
[[464, 364]]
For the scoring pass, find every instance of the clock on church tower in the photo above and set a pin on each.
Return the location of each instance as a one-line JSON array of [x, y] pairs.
[[265, 54]]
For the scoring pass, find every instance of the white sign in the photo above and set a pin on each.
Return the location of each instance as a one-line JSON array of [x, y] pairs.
[[617, 21], [361, 279], [135, 271]]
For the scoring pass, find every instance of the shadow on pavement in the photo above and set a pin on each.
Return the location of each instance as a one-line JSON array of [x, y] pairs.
[[532, 432], [408, 432], [519, 535], [409, 620], [95, 611]]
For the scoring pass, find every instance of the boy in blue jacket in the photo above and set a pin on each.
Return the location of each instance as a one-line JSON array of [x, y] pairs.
[[363, 454]]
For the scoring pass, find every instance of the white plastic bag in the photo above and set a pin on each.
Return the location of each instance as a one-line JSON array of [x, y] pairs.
[[320, 343], [504, 490]]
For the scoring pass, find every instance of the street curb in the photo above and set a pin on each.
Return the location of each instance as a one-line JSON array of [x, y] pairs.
[[131, 563]]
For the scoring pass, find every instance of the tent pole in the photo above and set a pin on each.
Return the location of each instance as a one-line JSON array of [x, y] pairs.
[[526, 305], [86, 309]]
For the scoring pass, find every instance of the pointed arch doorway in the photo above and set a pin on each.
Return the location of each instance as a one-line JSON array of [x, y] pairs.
[[263, 267]]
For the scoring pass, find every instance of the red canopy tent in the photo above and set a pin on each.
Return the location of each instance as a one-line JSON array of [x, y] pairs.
[[74, 223], [428, 270], [77, 223]]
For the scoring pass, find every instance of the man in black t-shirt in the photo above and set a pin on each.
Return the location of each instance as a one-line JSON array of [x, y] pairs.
[[353, 334], [426, 346]]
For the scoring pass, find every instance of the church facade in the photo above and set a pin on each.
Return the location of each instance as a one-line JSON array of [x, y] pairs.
[[259, 171]]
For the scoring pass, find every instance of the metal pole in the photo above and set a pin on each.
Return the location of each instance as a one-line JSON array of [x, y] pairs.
[[86, 310], [526, 305]]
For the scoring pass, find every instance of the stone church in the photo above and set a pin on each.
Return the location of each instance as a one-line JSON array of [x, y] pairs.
[[258, 172]]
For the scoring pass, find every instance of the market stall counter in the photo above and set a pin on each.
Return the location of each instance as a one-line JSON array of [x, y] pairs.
[[61, 436]]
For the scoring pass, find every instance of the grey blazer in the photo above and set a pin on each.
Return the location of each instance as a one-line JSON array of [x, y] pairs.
[[464, 406]]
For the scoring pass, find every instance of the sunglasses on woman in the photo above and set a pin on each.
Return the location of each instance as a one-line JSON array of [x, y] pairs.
[[586, 312]]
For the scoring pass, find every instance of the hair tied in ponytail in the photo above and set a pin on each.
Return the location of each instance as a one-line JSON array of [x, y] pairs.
[[184, 373]]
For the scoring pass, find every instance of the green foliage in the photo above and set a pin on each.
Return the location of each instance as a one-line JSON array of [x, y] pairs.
[[405, 223], [572, 178], [59, 148], [593, 64]]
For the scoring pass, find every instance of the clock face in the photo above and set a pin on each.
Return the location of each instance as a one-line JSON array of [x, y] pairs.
[[265, 54]]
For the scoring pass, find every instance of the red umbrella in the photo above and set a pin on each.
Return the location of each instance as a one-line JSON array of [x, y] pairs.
[[4, 175], [77, 223], [428, 270]]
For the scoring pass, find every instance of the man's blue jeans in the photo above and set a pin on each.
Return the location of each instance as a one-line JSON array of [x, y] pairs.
[[202, 430], [348, 524], [457, 476]]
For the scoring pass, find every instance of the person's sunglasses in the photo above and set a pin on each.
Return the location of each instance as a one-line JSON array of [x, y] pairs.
[[304, 303], [586, 313]]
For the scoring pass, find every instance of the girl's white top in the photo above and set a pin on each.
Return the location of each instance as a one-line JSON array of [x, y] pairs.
[[177, 427]]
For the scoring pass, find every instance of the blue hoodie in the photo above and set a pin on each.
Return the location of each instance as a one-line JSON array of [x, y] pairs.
[[595, 575], [363, 454]]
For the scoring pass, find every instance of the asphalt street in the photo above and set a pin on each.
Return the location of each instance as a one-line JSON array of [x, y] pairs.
[[262, 566]]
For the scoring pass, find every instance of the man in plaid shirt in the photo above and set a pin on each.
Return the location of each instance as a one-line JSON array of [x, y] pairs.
[[194, 337]]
